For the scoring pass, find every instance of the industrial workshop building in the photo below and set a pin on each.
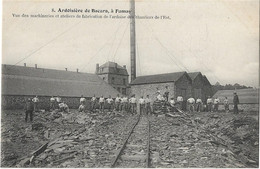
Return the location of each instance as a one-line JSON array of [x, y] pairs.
[[21, 82], [201, 87], [182, 84], [178, 83], [115, 75]]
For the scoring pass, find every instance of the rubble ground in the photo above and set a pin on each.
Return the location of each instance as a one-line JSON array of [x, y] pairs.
[[76, 139]]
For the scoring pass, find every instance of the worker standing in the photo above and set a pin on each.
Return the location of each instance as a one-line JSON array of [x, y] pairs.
[[141, 105], [101, 103], [148, 105], [209, 104], [35, 103], [180, 102], [121, 104], [29, 107], [117, 102], [236, 102], [133, 104], [166, 93], [216, 104], [52, 103], [82, 100], [93, 102], [172, 104], [191, 102], [199, 104], [109, 103], [226, 105], [125, 102]]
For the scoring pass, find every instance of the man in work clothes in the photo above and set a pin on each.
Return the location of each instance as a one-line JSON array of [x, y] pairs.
[[93, 102], [35, 103], [124, 101], [179, 102], [109, 103], [133, 104], [121, 104], [148, 105], [191, 102], [216, 103], [52, 103], [58, 100], [209, 104], [226, 105], [172, 104], [166, 93], [82, 100], [199, 104], [142, 104], [236, 102], [101, 103], [29, 109], [117, 102]]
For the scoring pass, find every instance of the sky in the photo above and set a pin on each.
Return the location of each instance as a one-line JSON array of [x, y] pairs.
[[219, 38]]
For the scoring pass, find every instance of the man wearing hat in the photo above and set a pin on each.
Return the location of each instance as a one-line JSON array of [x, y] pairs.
[[236, 102]]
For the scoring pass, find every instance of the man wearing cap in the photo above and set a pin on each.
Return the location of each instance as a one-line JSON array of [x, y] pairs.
[[93, 102], [216, 103], [191, 102], [52, 103], [179, 102], [82, 100], [117, 102], [199, 104], [236, 102], [133, 104]]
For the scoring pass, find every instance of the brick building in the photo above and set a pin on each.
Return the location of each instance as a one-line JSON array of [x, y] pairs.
[[115, 75], [201, 87], [178, 83], [20, 82]]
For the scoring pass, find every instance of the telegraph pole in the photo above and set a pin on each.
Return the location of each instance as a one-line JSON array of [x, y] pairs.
[[132, 40]]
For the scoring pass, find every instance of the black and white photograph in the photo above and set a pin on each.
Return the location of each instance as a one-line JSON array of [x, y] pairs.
[[130, 84]]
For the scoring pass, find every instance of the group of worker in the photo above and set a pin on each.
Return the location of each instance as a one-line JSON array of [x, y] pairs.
[[126, 104], [121, 104]]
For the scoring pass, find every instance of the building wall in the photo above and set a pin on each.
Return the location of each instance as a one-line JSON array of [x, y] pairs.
[[206, 91], [184, 87], [197, 87]]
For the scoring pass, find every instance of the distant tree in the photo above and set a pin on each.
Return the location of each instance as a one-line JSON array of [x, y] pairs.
[[218, 87]]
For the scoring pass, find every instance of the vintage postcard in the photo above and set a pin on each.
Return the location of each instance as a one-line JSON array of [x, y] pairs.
[[130, 83]]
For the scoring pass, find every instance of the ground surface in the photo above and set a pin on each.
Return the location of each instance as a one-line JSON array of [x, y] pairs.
[[92, 140]]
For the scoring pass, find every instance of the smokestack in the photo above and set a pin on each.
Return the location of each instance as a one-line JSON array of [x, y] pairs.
[[132, 40], [24, 64], [77, 70], [66, 69], [97, 68], [35, 66]]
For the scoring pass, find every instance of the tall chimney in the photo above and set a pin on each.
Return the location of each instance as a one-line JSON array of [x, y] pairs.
[[132, 40], [35, 66], [24, 64], [97, 68]]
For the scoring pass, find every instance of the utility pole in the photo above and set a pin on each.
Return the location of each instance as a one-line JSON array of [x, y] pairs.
[[132, 40]]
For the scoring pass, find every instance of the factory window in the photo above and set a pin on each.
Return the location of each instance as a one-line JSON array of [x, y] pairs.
[[113, 80], [124, 82]]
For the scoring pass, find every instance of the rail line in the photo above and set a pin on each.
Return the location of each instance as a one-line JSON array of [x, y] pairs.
[[135, 150]]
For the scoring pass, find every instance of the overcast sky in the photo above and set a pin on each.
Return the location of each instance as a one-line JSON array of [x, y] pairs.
[[218, 38]]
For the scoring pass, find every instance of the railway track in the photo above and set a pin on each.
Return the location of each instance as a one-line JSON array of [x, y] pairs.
[[135, 150]]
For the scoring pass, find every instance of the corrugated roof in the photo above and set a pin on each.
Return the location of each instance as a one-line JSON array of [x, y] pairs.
[[159, 78], [112, 67], [245, 95], [19, 80]]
